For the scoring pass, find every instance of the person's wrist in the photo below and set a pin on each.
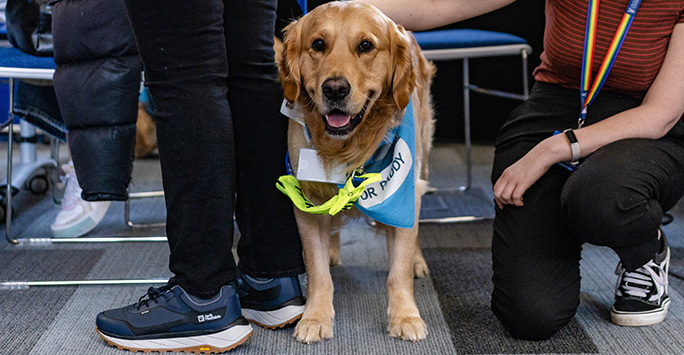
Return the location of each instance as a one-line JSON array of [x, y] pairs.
[[574, 145], [552, 150]]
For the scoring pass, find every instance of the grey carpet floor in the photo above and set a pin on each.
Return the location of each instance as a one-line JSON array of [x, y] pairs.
[[453, 300]]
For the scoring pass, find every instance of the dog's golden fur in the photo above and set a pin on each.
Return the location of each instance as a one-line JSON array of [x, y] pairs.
[[379, 67], [145, 134]]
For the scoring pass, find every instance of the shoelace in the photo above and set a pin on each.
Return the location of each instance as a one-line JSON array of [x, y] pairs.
[[639, 283], [72, 192], [152, 295]]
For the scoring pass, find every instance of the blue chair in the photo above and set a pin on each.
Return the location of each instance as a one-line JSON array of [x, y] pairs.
[[463, 44]]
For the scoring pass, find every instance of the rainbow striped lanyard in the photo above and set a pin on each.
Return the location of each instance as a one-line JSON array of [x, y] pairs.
[[303, 5], [588, 91]]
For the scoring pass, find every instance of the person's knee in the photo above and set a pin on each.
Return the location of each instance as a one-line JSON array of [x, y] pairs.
[[532, 318], [597, 209], [611, 194]]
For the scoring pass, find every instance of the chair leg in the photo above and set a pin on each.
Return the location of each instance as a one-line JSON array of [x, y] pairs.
[[8, 193], [24, 175], [24, 285], [127, 208], [466, 123]]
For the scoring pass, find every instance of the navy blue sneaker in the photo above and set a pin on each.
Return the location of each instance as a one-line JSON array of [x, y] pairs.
[[167, 319], [271, 303]]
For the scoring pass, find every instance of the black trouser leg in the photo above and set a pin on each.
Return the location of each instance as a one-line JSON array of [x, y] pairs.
[[182, 46]]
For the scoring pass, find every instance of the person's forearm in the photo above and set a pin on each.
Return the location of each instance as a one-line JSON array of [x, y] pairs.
[[417, 15]]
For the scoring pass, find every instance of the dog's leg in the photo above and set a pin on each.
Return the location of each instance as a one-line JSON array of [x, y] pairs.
[[335, 248], [403, 250], [420, 268], [334, 251], [317, 321], [404, 317]]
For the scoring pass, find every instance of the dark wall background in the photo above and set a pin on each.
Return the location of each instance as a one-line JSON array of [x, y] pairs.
[[522, 18]]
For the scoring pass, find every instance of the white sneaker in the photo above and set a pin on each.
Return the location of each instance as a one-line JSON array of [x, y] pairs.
[[77, 216]]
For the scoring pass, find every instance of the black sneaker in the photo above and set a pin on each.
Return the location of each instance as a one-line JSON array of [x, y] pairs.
[[641, 296], [167, 319], [271, 303]]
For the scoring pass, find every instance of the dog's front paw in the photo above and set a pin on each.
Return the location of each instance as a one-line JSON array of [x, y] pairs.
[[408, 328], [310, 330]]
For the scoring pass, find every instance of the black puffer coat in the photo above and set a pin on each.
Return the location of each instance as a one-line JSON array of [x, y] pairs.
[[97, 83]]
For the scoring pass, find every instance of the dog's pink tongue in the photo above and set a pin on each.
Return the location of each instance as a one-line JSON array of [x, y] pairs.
[[338, 119]]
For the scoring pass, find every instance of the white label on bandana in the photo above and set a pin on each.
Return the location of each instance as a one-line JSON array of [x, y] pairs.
[[310, 168], [393, 177]]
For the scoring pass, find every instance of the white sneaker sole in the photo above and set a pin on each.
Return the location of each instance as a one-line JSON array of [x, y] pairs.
[[638, 319], [206, 344], [80, 227], [274, 319]]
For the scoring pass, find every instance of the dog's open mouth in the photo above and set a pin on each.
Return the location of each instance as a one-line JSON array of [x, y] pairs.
[[339, 123]]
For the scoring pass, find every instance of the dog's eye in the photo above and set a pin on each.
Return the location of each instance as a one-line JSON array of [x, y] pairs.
[[318, 45], [365, 47]]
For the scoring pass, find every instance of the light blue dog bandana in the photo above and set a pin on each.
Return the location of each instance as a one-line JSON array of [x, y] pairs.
[[392, 200]]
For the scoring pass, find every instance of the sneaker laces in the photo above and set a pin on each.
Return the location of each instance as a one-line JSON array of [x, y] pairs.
[[152, 295], [640, 282], [72, 192]]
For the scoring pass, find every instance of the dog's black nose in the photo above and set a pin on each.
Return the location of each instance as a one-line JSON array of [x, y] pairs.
[[336, 88]]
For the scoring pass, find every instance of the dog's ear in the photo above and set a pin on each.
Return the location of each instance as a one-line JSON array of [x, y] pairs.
[[403, 77], [288, 62]]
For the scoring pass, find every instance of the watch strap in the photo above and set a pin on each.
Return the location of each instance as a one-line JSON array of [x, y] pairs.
[[574, 145]]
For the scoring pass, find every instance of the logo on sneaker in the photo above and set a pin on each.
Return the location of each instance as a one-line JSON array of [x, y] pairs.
[[207, 317]]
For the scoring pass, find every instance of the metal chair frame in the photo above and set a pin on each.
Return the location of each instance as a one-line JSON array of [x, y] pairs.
[[464, 54]]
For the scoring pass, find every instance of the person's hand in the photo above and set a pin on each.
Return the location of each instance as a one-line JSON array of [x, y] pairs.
[[517, 178]]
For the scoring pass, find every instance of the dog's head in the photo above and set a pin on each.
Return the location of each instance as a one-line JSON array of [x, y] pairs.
[[346, 60]]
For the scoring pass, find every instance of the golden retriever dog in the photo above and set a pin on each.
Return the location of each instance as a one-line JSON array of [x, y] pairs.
[[351, 72], [145, 134]]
